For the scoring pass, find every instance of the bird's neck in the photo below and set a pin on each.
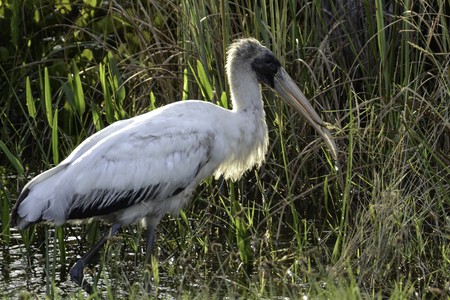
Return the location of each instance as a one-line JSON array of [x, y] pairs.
[[246, 94], [247, 134]]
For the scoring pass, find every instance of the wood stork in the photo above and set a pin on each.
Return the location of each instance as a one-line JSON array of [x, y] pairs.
[[144, 167]]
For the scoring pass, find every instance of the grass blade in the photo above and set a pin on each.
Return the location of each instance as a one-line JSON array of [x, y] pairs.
[[14, 23], [48, 98], [381, 37], [207, 90], [61, 244], [5, 217], [55, 139], [185, 85], [109, 108], [242, 235]]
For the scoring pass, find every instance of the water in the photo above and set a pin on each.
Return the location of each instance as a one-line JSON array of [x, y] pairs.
[[183, 271]]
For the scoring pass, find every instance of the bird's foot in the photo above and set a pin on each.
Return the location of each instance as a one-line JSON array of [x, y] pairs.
[[147, 282], [76, 274], [148, 286]]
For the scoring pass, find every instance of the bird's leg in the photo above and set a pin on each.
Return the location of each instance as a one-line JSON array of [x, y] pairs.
[[150, 240], [76, 273]]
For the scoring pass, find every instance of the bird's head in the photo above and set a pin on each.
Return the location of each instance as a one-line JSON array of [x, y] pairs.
[[268, 70]]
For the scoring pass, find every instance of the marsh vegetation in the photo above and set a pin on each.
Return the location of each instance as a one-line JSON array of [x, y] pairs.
[[375, 224]]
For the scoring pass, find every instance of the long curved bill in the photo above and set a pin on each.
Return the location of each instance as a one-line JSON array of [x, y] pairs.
[[286, 88]]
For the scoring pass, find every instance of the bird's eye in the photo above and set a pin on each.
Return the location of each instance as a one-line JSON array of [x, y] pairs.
[[269, 60]]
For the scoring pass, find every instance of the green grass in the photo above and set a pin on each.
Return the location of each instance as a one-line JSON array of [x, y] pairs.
[[376, 227]]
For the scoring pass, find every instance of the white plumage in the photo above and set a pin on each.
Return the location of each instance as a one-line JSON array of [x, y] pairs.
[[142, 168], [174, 147]]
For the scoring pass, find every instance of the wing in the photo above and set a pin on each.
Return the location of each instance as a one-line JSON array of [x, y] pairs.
[[150, 157], [141, 168], [39, 183]]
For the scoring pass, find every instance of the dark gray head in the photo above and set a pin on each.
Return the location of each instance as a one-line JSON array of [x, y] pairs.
[[262, 61]]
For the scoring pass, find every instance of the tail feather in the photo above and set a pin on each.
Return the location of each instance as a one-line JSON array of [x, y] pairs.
[[34, 200], [16, 219]]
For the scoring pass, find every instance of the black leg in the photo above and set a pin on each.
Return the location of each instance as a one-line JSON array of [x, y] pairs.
[[150, 240], [76, 273]]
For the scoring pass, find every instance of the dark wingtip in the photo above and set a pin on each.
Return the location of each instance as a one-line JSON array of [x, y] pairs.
[[16, 219]]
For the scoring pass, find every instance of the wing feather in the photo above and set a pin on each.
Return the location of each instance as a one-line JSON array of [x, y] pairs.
[[123, 177], [148, 158]]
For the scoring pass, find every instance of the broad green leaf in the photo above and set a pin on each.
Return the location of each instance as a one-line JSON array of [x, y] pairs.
[[64, 7], [87, 54], [96, 116], [109, 107], [30, 100], [116, 84], [93, 3], [224, 100], [78, 90], [152, 101], [4, 54], [36, 15], [68, 91], [207, 91], [15, 162], [121, 93], [119, 96], [113, 69], [101, 69]]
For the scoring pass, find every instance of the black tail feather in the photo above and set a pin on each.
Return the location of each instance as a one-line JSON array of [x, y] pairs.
[[15, 218]]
